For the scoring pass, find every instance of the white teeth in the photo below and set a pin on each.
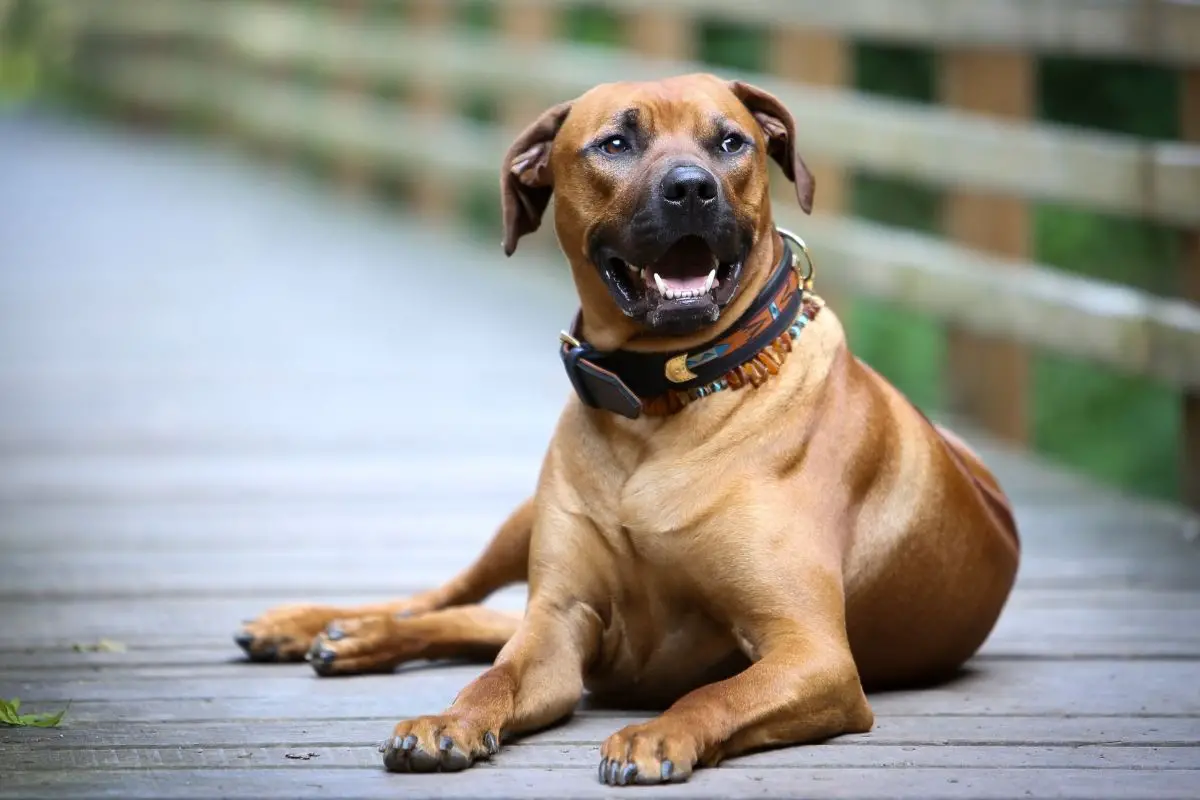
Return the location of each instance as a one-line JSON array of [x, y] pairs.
[[708, 283], [633, 269], [662, 287]]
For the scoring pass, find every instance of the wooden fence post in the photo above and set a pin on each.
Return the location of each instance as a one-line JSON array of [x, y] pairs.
[[817, 58], [660, 33], [350, 170], [1189, 123], [432, 195], [988, 379], [525, 23]]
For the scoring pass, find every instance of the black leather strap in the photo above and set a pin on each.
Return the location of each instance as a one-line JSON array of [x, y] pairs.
[[618, 380]]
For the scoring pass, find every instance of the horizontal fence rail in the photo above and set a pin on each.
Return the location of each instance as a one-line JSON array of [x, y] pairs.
[[1163, 31], [1160, 180]]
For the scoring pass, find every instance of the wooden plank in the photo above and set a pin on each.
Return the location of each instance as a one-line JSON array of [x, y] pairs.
[[1039, 161], [309, 780], [1021, 688], [196, 632], [107, 479], [1111, 324], [169, 727], [382, 572], [579, 757]]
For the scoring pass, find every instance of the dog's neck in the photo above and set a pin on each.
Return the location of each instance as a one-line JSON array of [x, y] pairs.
[[747, 351]]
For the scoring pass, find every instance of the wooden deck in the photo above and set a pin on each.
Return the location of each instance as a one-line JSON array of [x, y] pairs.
[[207, 406]]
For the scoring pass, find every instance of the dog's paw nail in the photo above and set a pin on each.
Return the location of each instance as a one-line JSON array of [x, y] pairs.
[[334, 633], [490, 742], [324, 657], [243, 639], [445, 743], [667, 769], [383, 746], [613, 768], [409, 742], [602, 773], [628, 774], [402, 614]]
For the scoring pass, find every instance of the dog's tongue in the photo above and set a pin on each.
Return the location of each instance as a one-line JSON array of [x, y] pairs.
[[686, 265]]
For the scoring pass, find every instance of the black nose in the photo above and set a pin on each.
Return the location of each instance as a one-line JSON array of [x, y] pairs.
[[689, 183]]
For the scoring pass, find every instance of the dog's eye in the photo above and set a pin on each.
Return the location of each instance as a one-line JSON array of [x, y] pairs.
[[732, 143], [615, 145]]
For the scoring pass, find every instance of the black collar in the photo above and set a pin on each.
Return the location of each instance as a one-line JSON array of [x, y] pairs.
[[621, 380]]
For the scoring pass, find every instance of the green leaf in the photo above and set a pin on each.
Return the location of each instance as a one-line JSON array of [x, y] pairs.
[[10, 716], [8, 711], [43, 720]]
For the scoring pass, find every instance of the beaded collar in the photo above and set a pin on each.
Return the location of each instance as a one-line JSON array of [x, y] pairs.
[[749, 353]]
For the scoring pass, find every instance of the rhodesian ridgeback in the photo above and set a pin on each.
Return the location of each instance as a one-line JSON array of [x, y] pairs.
[[736, 518]]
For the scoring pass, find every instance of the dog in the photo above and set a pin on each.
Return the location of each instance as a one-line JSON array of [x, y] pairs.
[[736, 519]]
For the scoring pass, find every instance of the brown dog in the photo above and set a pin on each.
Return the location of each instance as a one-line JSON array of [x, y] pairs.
[[757, 548]]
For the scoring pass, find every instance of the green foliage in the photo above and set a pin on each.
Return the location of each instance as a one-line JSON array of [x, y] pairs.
[[1121, 429], [1129, 251], [11, 716], [724, 44], [908, 349], [905, 73], [895, 201], [1117, 428], [591, 23], [1134, 99], [20, 63], [477, 15]]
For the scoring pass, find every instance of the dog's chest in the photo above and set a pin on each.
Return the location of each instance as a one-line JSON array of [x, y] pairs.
[[654, 643]]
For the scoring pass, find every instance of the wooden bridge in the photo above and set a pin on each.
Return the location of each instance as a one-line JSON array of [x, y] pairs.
[[209, 405]]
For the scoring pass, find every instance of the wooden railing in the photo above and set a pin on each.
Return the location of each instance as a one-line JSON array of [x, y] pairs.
[[386, 82]]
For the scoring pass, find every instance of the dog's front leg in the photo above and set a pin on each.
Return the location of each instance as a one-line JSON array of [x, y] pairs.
[[801, 687], [537, 680]]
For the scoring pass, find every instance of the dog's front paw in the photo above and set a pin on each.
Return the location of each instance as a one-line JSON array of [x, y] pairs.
[[653, 752], [445, 743], [367, 644], [284, 633]]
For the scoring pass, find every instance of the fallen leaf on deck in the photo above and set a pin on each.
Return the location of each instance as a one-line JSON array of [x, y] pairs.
[[102, 646], [11, 716]]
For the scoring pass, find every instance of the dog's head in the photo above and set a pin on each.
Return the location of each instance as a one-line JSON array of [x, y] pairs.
[[661, 194]]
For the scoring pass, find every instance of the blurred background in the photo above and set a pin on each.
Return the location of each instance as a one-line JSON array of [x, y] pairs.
[[1008, 190]]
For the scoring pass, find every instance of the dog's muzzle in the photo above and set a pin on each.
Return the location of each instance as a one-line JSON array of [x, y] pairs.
[[678, 261]]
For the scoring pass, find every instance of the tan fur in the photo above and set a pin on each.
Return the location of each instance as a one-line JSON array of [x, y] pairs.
[[755, 560]]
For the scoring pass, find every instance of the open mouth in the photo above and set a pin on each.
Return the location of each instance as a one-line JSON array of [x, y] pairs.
[[687, 280]]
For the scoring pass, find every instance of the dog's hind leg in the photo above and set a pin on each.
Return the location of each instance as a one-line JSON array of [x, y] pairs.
[[382, 642], [286, 633]]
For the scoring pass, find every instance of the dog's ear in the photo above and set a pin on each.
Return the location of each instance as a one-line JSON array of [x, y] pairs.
[[525, 180], [780, 129]]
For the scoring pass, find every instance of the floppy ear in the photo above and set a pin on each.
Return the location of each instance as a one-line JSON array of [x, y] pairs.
[[780, 129], [525, 180]]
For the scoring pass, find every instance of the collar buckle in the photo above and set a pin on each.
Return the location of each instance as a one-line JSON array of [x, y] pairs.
[[806, 276]]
